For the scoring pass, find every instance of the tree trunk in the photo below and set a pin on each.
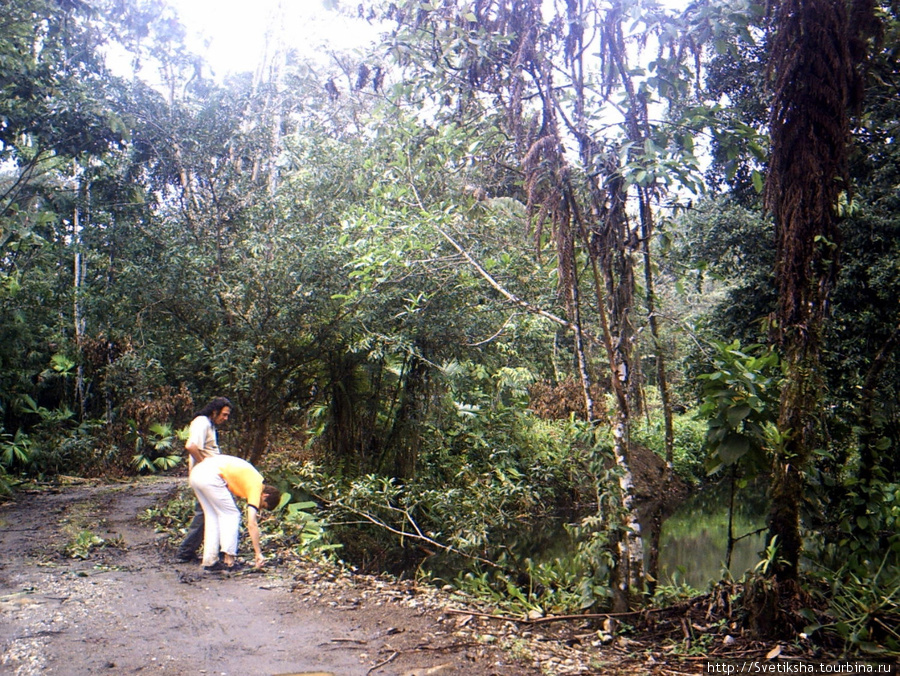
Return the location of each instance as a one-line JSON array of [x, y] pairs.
[[650, 299], [583, 369], [258, 438], [631, 549], [628, 573], [78, 313], [814, 59], [400, 448]]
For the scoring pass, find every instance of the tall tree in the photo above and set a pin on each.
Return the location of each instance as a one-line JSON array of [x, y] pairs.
[[580, 131], [59, 117], [816, 56]]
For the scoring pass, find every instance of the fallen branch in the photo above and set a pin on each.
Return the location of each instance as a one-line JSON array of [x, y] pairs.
[[450, 646], [381, 664], [417, 535], [565, 618]]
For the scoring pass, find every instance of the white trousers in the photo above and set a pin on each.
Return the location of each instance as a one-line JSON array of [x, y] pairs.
[[222, 518]]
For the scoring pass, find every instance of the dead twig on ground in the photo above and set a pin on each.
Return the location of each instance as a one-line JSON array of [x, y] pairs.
[[568, 618], [381, 664]]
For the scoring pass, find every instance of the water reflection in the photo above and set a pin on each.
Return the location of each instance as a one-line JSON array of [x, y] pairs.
[[694, 539], [692, 544]]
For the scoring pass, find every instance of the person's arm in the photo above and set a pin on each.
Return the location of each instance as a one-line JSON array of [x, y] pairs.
[[196, 437], [253, 530], [194, 451]]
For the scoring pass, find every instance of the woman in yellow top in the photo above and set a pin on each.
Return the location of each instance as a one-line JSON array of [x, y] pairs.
[[214, 480]]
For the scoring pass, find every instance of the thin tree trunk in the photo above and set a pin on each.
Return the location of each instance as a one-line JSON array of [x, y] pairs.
[[77, 312], [655, 517], [259, 438], [583, 371], [628, 574], [606, 243], [650, 297], [729, 547]]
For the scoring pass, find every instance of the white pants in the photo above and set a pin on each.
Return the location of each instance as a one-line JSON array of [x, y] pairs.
[[222, 518]]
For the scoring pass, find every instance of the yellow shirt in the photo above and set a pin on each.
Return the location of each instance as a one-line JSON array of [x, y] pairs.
[[242, 478]]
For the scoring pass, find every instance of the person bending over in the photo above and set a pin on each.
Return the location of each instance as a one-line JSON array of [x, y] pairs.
[[215, 481], [202, 442]]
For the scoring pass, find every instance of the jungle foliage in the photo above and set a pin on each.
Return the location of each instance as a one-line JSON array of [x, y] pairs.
[[457, 285]]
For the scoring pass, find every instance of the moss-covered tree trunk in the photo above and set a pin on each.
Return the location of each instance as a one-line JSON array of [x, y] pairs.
[[815, 59]]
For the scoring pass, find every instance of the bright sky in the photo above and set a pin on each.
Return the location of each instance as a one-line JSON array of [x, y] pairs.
[[231, 33], [235, 30]]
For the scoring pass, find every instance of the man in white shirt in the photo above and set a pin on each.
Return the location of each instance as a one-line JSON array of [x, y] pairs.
[[202, 443]]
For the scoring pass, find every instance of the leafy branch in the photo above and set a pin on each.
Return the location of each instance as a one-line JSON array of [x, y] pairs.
[[405, 516]]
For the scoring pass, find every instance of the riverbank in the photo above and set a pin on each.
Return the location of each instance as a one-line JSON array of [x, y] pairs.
[[87, 587]]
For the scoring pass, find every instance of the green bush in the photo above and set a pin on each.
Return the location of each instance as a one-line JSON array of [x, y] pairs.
[[493, 478], [690, 439], [156, 449]]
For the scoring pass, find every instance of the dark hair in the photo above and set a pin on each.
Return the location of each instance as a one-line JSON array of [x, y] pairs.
[[271, 496], [214, 406]]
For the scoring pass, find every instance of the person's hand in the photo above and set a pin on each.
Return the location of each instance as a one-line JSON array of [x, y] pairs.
[[260, 561]]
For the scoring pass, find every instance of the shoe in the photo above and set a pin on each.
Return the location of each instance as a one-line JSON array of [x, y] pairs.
[[186, 558], [217, 567], [236, 566]]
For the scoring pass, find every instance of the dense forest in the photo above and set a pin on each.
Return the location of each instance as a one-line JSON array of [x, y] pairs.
[[517, 261]]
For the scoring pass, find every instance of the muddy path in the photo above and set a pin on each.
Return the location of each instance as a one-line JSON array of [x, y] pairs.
[[127, 608]]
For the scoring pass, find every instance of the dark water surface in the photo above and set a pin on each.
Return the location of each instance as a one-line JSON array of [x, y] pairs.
[[692, 544], [694, 539]]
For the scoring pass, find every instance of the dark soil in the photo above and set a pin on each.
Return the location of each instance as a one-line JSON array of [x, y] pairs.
[[128, 609]]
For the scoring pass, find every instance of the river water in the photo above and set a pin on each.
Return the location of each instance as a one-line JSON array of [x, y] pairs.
[[694, 539]]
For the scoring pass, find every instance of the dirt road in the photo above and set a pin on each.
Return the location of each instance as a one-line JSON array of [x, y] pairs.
[[128, 609]]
